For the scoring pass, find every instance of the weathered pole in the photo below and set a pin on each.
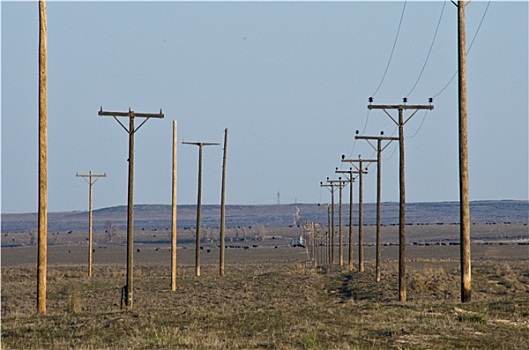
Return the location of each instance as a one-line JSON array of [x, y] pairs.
[[379, 150], [42, 259], [402, 189], [174, 207], [360, 169], [90, 245], [126, 292], [130, 219], [350, 177], [340, 183], [90, 182], [466, 278], [223, 205], [199, 210], [402, 212], [199, 201]]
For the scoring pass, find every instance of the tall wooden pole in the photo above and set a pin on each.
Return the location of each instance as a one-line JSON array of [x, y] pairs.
[[402, 212], [174, 207], [328, 250], [340, 184], [379, 150], [340, 234], [130, 218], [400, 122], [126, 291], [199, 210], [360, 220], [350, 177], [223, 205], [360, 171], [42, 259], [90, 245], [199, 201], [92, 178], [466, 279]]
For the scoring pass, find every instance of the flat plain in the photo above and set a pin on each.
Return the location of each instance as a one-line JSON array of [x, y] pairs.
[[272, 296]]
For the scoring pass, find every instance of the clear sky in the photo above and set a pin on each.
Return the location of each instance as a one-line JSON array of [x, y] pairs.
[[291, 82]]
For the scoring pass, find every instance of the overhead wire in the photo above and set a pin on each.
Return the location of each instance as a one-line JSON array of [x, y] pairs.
[[468, 50], [392, 50], [430, 50], [420, 126]]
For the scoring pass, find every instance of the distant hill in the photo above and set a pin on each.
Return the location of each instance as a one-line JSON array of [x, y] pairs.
[[159, 216]]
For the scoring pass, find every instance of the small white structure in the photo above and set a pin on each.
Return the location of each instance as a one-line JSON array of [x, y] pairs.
[[299, 242]]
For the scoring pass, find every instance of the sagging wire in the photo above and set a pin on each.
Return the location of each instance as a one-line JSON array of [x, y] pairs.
[[430, 50], [420, 126], [468, 50], [392, 50]]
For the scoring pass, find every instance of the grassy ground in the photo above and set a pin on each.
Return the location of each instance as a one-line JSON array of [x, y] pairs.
[[269, 306]]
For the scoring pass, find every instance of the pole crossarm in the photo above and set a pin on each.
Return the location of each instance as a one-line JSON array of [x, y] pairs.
[[402, 107], [90, 176], [199, 200], [130, 114], [200, 144], [360, 161], [349, 174]]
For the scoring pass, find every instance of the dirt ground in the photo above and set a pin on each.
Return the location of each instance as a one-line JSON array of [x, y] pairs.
[[269, 299]]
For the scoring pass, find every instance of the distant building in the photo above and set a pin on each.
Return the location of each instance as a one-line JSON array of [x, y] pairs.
[[298, 242]]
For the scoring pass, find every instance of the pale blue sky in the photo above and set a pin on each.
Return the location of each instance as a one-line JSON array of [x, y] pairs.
[[289, 79]]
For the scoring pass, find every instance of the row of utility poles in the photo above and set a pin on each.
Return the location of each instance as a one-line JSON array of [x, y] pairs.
[[127, 290], [400, 121], [465, 265]]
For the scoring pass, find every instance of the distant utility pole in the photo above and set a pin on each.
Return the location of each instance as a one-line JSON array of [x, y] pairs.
[[199, 199], [341, 184], [466, 278], [223, 205], [42, 259], [361, 171], [90, 179], [126, 295], [400, 122], [174, 208], [379, 150], [330, 186], [351, 178]]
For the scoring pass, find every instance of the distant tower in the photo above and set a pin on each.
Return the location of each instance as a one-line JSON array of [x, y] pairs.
[[278, 198]]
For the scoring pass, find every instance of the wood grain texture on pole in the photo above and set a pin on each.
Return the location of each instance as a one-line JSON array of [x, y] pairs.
[[402, 212], [223, 205], [130, 218], [199, 209], [466, 279], [42, 258], [174, 206]]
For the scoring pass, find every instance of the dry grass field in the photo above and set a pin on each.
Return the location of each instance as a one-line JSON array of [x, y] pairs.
[[269, 299]]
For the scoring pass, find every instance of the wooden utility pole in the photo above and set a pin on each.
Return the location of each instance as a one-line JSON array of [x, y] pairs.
[[126, 295], [400, 122], [42, 258], [466, 278], [330, 186], [223, 205], [174, 209], [379, 150], [341, 184], [91, 179], [361, 171], [350, 175], [199, 200]]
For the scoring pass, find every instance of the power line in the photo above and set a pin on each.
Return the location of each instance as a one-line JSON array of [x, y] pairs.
[[392, 50], [430, 50], [468, 50], [420, 126]]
